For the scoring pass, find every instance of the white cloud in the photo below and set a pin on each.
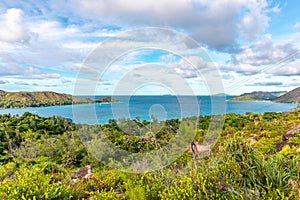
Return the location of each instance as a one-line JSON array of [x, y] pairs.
[[215, 23], [60, 35], [297, 25], [293, 83], [188, 68], [241, 68], [51, 76], [12, 27], [2, 82], [227, 76], [263, 52], [265, 84], [66, 80], [22, 83], [53, 45], [32, 70], [290, 68], [256, 20], [9, 69]]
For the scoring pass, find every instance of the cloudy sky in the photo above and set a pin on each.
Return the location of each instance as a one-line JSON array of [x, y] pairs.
[[47, 45]]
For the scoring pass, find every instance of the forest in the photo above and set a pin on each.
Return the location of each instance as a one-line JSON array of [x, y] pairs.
[[38, 99], [256, 156]]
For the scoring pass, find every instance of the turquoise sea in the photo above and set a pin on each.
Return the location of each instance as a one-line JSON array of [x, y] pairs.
[[150, 107]]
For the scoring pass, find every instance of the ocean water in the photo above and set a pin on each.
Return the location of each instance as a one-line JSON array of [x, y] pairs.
[[152, 107]]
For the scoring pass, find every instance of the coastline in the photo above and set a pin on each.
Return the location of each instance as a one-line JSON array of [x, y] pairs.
[[102, 112]]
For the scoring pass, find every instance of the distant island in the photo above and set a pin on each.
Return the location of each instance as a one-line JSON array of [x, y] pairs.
[[281, 97], [107, 100], [42, 99]]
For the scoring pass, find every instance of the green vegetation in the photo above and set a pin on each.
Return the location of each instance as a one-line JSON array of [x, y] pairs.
[[247, 98], [289, 97], [37, 99], [37, 155], [256, 96], [106, 100], [41, 99]]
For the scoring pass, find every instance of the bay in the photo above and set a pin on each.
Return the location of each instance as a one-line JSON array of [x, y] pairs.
[[151, 107]]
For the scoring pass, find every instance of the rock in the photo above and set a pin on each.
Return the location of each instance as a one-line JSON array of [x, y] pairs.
[[83, 173], [261, 129], [199, 147], [252, 140], [280, 145], [295, 185], [176, 167], [289, 134], [58, 183], [74, 181]]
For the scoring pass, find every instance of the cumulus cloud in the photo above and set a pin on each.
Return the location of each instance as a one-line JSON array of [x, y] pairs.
[[227, 76], [12, 26], [263, 52], [31, 70], [217, 24], [256, 20], [266, 84], [292, 67], [51, 76], [11, 69], [189, 68], [63, 33], [297, 25], [265, 56], [293, 83], [66, 80], [28, 73], [240, 68], [3, 82], [214, 23], [54, 44], [22, 83], [51, 45]]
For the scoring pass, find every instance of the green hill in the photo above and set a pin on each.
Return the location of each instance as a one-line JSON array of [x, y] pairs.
[[37, 99], [290, 97], [286, 97], [255, 96], [246, 98]]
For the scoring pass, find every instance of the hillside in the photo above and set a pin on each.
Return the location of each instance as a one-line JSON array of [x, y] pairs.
[[257, 156], [107, 100], [255, 96], [37, 99], [290, 97], [286, 97]]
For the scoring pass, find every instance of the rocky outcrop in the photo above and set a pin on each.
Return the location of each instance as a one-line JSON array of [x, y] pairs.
[[285, 139], [83, 173]]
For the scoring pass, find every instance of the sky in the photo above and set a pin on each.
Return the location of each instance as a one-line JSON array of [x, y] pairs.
[[149, 47]]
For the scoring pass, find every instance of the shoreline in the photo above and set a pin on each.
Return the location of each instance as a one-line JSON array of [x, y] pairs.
[[147, 120]]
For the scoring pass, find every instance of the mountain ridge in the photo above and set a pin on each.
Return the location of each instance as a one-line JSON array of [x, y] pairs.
[[24, 99], [292, 96]]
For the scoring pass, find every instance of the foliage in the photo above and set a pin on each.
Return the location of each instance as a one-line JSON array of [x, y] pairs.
[[37, 99], [37, 154]]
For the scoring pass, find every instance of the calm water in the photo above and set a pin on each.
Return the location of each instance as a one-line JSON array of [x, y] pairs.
[[145, 107]]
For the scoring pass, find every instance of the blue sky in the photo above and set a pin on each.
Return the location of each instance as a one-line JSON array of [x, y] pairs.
[[45, 45]]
